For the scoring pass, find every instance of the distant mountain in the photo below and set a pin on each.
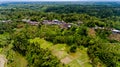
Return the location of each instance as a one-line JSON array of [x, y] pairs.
[[64, 3]]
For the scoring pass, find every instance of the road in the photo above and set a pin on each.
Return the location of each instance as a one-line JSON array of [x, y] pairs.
[[3, 61]]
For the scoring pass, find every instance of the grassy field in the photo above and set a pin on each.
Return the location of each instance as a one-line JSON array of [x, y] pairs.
[[61, 51], [43, 44], [16, 60]]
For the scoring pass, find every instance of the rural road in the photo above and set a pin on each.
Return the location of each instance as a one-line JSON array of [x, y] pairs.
[[3, 61]]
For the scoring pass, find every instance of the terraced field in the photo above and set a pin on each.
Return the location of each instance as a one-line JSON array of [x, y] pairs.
[[61, 51], [78, 59]]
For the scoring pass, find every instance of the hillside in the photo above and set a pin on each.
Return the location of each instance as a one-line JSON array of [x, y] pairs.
[[60, 34]]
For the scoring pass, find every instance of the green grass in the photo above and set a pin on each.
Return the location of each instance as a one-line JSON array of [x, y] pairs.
[[1, 50], [43, 44], [87, 65], [59, 47], [16, 60], [80, 55], [59, 50], [74, 64]]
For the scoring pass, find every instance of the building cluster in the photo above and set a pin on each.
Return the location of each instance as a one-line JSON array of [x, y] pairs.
[[65, 25], [114, 31], [62, 24], [30, 22], [5, 21]]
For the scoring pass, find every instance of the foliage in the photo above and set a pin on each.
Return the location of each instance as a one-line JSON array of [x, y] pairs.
[[38, 57], [109, 54], [94, 10], [73, 49], [81, 17], [35, 55]]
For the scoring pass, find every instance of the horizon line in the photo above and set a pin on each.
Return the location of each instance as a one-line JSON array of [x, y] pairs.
[[64, 1]]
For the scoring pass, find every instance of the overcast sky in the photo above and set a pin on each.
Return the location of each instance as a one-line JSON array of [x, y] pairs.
[[58, 0]]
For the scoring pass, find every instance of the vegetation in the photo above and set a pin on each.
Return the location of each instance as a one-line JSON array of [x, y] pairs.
[[86, 42]]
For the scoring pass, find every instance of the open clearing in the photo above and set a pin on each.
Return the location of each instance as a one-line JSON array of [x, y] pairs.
[[78, 59]]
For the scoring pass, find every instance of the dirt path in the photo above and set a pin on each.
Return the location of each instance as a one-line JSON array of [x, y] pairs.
[[66, 60], [3, 61]]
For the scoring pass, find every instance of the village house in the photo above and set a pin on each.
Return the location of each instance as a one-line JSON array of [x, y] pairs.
[[5, 21], [99, 27], [30, 22], [26, 20], [53, 22], [33, 23], [114, 31], [79, 23], [65, 26]]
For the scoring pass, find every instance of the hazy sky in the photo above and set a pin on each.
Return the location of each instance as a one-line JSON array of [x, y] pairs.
[[58, 0]]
